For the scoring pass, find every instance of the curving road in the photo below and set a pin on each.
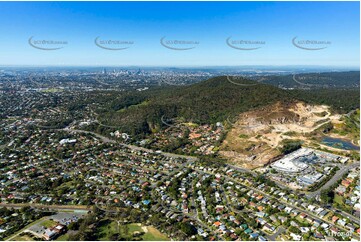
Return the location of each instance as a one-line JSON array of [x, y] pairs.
[[343, 170]]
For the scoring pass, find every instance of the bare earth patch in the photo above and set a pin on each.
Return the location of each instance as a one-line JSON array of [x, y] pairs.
[[256, 136]]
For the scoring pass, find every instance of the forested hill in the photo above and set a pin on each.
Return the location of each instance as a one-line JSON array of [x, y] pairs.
[[218, 98], [209, 101]]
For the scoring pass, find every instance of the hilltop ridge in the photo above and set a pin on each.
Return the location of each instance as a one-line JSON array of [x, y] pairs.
[[210, 101]]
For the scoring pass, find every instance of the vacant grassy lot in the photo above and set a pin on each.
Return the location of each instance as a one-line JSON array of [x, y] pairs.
[[48, 223], [154, 234], [111, 227], [338, 199], [63, 237]]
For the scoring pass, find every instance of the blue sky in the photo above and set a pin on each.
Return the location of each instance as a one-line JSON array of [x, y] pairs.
[[210, 24]]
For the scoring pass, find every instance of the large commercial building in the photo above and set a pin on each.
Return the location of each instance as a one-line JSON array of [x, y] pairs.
[[295, 161]]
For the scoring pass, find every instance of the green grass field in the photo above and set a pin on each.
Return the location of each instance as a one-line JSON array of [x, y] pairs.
[[338, 199], [110, 227], [154, 234], [63, 237], [106, 229], [48, 223], [145, 103]]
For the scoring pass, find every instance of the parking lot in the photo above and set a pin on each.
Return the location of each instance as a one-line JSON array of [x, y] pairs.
[[62, 217]]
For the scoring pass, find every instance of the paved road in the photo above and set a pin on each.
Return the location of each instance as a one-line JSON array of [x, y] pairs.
[[336, 177], [24, 229], [350, 216], [37, 205], [299, 209], [301, 83], [38, 229], [240, 84], [339, 174], [280, 230], [343, 170], [133, 147], [310, 214], [243, 170]]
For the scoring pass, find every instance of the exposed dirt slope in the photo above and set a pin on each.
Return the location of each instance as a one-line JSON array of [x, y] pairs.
[[256, 136]]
